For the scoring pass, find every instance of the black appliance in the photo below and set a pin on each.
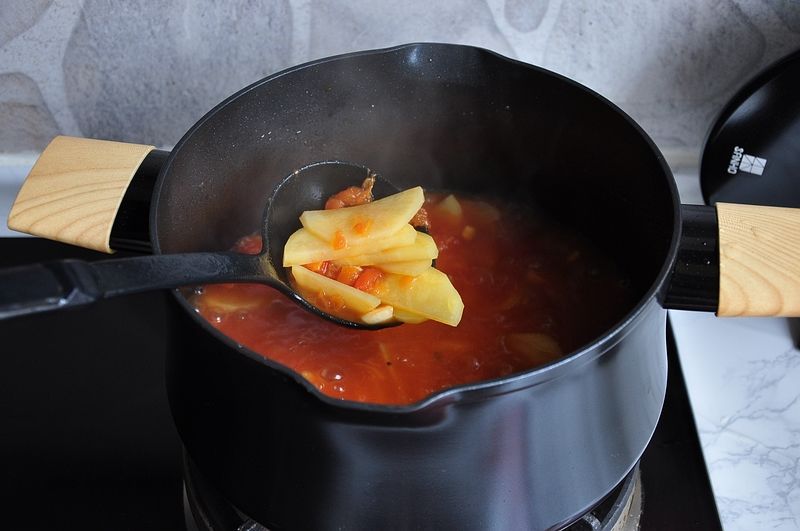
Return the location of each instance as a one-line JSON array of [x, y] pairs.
[[752, 153]]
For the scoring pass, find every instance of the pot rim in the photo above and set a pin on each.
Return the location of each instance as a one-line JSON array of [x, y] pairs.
[[483, 388]]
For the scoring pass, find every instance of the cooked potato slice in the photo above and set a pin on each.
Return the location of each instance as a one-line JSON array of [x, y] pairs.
[[408, 317], [450, 205], [429, 295], [303, 247], [381, 314], [357, 300], [423, 248], [412, 268], [221, 298], [540, 348], [486, 212], [365, 223]]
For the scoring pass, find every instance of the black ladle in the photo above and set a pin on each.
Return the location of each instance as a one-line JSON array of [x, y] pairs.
[[69, 283]]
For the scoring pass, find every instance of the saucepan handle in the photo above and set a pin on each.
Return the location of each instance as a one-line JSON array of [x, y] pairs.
[[738, 260], [759, 260], [74, 191]]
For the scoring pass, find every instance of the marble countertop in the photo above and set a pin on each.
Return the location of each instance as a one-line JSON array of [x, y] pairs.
[[743, 378]]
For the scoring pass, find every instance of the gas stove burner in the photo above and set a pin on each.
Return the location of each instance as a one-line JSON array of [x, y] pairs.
[[205, 509], [621, 510]]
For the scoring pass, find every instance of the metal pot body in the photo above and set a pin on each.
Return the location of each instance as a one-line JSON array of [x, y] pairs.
[[533, 450]]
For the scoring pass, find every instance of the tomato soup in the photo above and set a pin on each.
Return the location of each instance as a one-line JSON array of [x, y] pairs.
[[532, 293]]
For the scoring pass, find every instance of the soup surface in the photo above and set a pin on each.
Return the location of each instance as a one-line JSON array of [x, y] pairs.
[[532, 293]]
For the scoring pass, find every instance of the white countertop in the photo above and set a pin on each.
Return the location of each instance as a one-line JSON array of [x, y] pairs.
[[743, 378]]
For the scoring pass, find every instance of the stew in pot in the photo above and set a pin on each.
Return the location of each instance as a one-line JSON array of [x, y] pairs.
[[532, 292]]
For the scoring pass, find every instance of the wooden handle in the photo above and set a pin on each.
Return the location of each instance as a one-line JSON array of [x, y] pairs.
[[74, 190], [759, 260]]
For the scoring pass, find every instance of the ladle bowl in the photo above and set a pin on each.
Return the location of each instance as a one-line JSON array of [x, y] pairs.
[[70, 283]]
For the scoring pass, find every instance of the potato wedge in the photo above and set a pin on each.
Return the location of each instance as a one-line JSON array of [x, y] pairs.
[[357, 300], [365, 223], [450, 206], [381, 314], [540, 348], [220, 298], [430, 295], [423, 248], [486, 212], [408, 317], [411, 268], [303, 247]]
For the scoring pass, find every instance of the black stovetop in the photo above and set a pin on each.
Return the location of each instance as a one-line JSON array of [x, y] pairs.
[[87, 442]]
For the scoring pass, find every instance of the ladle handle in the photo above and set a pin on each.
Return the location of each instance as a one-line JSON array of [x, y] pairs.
[[69, 283], [759, 260], [74, 190], [45, 287]]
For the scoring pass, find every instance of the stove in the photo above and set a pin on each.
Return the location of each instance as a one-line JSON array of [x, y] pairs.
[[205, 509], [87, 442]]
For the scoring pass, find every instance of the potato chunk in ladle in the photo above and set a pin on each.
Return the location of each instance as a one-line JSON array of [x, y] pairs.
[[362, 262]]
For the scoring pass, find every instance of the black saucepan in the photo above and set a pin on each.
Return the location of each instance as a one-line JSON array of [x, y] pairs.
[[528, 451]]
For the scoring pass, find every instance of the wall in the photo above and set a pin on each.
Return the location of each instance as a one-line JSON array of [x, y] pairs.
[[145, 71]]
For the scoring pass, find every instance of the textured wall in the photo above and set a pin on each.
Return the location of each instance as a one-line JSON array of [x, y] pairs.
[[145, 71]]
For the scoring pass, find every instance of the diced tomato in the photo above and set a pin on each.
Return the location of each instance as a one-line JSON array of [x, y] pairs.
[[334, 202], [333, 270], [318, 267], [248, 245], [352, 196], [368, 278], [348, 274], [327, 302], [327, 268]]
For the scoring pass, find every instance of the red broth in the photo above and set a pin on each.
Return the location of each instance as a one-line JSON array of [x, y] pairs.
[[532, 293]]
